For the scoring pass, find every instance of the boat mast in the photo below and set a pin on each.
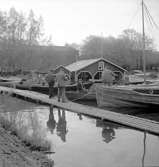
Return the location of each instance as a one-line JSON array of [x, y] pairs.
[[101, 45], [143, 42]]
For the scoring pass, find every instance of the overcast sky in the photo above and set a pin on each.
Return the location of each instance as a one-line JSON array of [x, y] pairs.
[[71, 21]]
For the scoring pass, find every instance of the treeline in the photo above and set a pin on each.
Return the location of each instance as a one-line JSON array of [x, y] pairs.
[[22, 46], [125, 50], [18, 34]]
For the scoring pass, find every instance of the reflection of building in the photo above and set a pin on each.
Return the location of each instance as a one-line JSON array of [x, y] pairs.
[[61, 125], [51, 123], [90, 69], [108, 132]]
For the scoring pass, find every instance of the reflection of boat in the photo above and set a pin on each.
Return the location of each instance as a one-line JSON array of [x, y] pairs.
[[130, 96]]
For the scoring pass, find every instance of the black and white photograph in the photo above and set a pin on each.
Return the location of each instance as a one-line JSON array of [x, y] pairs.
[[79, 83]]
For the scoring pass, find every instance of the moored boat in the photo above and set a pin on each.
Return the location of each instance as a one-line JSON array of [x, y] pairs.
[[144, 95], [10, 82], [127, 96], [73, 93]]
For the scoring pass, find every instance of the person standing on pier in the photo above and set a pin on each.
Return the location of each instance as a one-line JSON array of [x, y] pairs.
[[108, 77], [61, 81], [50, 78]]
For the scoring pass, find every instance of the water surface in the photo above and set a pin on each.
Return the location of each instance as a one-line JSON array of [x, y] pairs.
[[81, 141]]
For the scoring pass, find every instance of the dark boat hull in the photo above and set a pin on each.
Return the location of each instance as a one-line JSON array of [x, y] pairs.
[[71, 92]]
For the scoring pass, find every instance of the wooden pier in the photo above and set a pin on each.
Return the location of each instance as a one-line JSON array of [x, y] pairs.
[[124, 119]]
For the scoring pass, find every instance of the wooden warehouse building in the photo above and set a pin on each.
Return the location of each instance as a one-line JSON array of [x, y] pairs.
[[90, 69]]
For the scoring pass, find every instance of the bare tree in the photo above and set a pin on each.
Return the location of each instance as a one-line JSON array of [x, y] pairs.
[[133, 40]]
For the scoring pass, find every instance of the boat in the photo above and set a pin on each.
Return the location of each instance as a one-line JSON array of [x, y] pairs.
[[128, 96], [9, 82], [73, 93], [140, 95]]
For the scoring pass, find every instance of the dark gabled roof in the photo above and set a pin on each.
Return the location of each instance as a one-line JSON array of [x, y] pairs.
[[76, 66]]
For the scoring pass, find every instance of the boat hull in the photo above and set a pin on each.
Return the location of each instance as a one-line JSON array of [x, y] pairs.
[[71, 92], [124, 97]]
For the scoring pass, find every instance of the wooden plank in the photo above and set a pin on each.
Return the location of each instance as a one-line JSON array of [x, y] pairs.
[[128, 120]]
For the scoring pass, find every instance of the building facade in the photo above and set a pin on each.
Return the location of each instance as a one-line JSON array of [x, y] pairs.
[[90, 70]]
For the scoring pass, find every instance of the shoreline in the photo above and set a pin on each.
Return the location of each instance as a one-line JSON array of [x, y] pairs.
[[14, 153]]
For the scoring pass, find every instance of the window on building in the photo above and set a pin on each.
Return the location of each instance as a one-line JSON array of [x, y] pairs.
[[118, 76], [101, 66], [84, 76], [98, 75]]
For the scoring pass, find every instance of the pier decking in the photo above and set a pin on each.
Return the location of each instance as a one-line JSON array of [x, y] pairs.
[[128, 120]]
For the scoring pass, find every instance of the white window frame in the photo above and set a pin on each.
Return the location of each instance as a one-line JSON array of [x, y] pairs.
[[100, 65]]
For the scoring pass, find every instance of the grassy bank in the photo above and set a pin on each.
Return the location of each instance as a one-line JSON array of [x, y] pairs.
[[18, 148]]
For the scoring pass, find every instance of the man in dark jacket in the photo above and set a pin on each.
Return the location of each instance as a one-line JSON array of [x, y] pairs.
[[50, 78], [61, 81]]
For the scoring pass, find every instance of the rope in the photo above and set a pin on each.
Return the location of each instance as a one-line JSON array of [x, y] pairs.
[[86, 93], [80, 98], [150, 17]]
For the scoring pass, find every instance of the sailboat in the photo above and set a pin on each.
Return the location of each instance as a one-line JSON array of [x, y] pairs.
[[143, 95]]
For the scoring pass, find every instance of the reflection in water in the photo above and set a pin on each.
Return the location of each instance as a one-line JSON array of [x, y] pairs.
[[85, 138], [61, 125], [10, 104], [27, 126], [37, 131], [80, 116], [108, 132], [144, 151], [51, 123]]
